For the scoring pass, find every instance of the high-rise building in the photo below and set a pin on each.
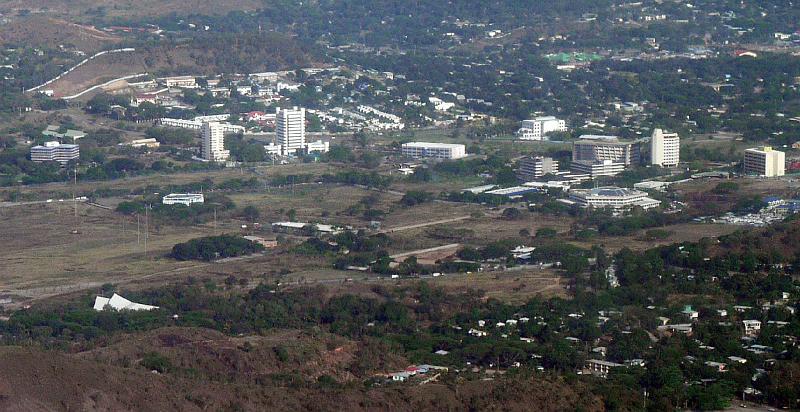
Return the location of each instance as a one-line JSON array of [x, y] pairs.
[[595, 149], [531, 167], [55, 152], [764, 161], [290, 129], [214, 142], [539, 127], [665, 149]]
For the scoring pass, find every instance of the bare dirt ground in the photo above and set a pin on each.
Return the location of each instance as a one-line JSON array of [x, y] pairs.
[[46, 31]]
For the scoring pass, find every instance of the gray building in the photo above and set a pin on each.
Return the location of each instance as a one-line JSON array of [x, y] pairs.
[[591, 148], [532, 167]]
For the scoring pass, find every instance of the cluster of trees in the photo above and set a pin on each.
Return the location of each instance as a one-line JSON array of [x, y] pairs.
[[215, 247], [178, 213]]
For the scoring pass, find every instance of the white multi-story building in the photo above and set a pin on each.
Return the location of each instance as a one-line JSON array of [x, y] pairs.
[[598, 168], [183, 198], [55, 152], [188, 82], [419, 150], [213, 135], [319, 146], [764, 161], [665, 149], [531, 167], [273, 149], [290, 129], [197, 125], [539, 127], [612, 197], [212, 118]]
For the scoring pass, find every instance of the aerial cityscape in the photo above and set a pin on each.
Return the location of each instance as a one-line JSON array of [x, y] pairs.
[[250, 205]]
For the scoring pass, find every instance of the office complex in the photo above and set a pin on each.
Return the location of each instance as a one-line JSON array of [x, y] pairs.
[[55, 152], [665, 149], [612, 197], [597, 169], [596, 149], [419, 150], [532, 167], [214, 142], [290, 129], [539, 127], [764, 161]]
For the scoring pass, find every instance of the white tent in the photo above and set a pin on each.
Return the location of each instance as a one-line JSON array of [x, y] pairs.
[[117, 302]]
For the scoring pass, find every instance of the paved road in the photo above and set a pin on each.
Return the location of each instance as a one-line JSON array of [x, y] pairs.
[[429, 250], [419, 225]]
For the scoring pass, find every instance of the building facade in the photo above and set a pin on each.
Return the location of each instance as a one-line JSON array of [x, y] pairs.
[[539, 127], [597, 169], [183, 198], [599, 148], [764, 161], [55, 152], [612, 197], [290, 129], [665, 149], [533, 167], [418, 150], [213, 148]]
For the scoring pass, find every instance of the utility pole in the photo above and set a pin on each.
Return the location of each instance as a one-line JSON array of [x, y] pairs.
[[138, 233], [215, 221], [146, 227]]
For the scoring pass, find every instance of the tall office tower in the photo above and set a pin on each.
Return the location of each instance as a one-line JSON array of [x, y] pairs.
[[764, 161], [290, 129], [665, 149], [214, 142]]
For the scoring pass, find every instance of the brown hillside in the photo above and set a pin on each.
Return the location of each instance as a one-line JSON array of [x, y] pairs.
[[50, 32], [198, 57], [33, 380]]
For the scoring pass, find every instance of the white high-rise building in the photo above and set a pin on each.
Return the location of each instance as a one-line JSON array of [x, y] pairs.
[[214, 142], [539, 127], [290, 129], [665, 149], [764, 161]]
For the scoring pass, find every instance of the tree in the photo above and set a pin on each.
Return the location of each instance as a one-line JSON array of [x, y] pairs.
[[251, 213], [512, 213]]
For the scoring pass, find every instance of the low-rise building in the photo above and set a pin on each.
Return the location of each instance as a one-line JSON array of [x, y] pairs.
[[600, 367], [539, 127], [183, 199], [419, 150], [751, 327], [149, 143], [612, 197]]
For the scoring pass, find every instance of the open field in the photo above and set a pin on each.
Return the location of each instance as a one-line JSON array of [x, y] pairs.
[[513, 286], [684, 232]]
